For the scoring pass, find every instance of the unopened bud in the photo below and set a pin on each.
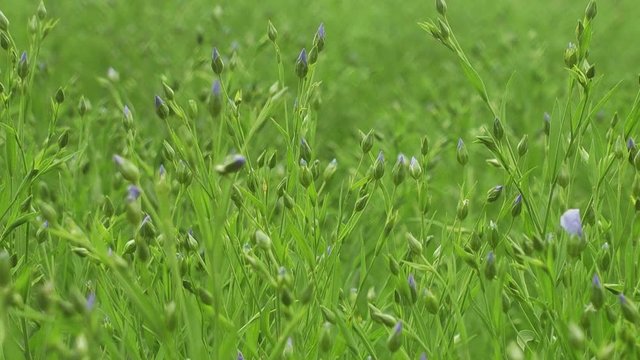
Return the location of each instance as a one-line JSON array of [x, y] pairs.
[[461, 153], [523, 145], [216, 62]]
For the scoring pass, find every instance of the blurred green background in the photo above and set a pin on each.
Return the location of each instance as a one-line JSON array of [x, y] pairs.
[[379, 69]]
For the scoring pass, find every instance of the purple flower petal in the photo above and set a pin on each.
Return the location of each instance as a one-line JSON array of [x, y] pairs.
[[570, 222]]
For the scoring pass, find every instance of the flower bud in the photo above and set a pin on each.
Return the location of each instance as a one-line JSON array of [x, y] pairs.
[[23, 65], [216, 62], [399, 170], [523, 145], [415, 170], [305, 150], [415, 246], [328, 315], [5, 269], [63, 139], [272, 33], [430, 300], [563, 176], [83, 106], [326, 337], [4, 22], [498, 130], [385, 319], [48, 212], [232, 164], [394, 267], [127, 169], [516, 207], [302, 67], [262, 240], [168, 91], [490, 266], [162, 110], [424, 146], [597, 292], [361, 203], [461, 153], [318, 38], [571, 55], [59, 97], [494, 193], [378, 167], [330, 170], [591, 11], [170, 315], [306, 177], [576, 336], [395, 338], [463, 209], [441, 7], [629, 310], [367, 142]]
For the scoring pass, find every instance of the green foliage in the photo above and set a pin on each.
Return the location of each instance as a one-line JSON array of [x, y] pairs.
[[186, 181]]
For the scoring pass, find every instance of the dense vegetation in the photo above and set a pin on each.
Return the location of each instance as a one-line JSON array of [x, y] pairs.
[[323, 180]]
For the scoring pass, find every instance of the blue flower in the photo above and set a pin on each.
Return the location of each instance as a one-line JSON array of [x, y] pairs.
[[570, 222]]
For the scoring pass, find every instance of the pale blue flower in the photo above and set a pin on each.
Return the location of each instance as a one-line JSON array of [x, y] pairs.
[[570, 222]]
